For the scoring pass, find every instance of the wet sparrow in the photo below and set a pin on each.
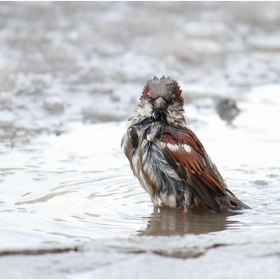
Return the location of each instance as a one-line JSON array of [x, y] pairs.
[[167, 157]]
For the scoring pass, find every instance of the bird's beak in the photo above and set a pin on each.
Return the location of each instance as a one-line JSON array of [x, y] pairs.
[[160, 106]]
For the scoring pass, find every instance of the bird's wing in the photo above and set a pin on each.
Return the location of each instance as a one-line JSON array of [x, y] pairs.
[[184, 152]]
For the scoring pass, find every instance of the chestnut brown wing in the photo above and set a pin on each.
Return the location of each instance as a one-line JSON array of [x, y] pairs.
[[183, 151]]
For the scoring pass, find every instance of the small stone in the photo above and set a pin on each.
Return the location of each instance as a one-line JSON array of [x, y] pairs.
[[193, 48], [54, 103], [260, 182], [265, 43], [6, 97], [7, 119], [206, 29], [89, 113]]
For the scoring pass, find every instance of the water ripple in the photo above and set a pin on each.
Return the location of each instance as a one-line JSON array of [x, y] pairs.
[[67, 189]]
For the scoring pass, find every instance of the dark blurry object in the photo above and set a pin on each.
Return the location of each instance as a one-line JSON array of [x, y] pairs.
[[227, 109]]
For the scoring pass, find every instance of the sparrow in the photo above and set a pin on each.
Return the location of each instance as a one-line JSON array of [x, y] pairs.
[[227, 109], [168, 159]]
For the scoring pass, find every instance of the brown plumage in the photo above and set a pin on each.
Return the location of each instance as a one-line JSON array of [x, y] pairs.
[[167, 157]]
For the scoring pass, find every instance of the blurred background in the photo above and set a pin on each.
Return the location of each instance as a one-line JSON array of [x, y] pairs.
[[88, 61], [77, 69]]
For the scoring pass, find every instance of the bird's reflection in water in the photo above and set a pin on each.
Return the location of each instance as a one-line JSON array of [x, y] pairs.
[[167, 221]]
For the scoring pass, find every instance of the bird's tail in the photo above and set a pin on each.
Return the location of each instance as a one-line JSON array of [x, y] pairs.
[[234, 202]]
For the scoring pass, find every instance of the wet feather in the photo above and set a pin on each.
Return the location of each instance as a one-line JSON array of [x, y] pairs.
[[168, 159]]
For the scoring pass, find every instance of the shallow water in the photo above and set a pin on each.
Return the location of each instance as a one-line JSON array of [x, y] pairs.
[[78, 186]]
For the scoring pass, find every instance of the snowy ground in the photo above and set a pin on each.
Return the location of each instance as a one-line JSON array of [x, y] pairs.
[[63, 62]]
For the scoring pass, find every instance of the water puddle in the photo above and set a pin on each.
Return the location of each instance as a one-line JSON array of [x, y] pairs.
[[78, 186]]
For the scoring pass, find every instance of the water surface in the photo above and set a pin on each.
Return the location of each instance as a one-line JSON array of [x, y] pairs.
[[78, 186]]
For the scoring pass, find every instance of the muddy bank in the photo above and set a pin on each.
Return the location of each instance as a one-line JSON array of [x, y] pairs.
[[203, 256]]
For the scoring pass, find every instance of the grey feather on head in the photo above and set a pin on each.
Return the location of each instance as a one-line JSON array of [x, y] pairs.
[[161, 87]]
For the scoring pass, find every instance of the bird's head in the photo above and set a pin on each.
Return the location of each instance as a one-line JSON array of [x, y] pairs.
[[161, 101]]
